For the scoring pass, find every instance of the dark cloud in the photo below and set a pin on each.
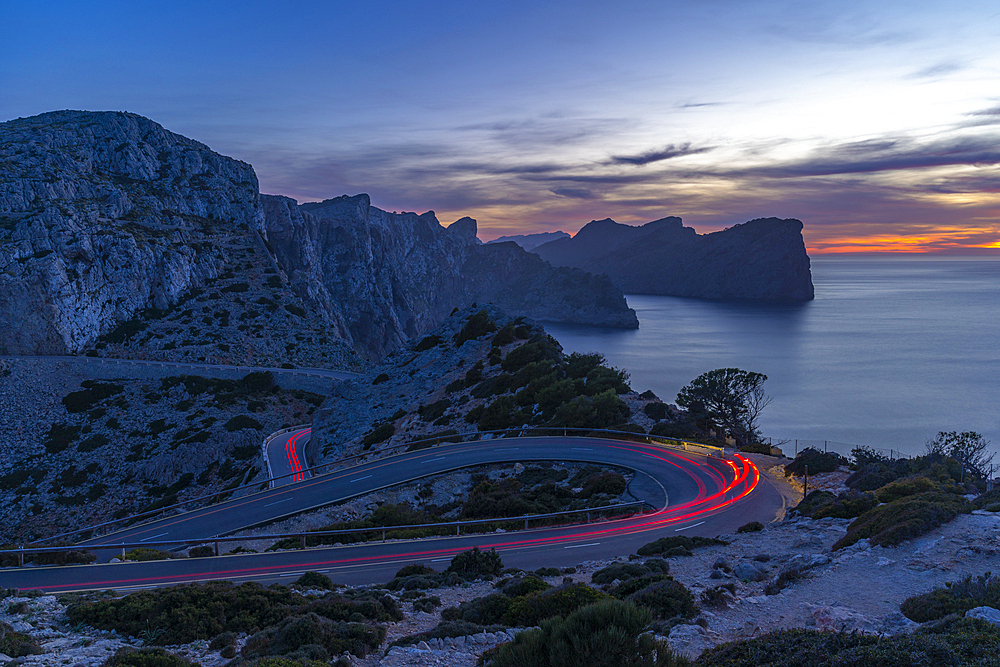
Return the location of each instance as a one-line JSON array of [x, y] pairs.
[[665, 153], [983, 117], [573, 193], [891, 154], [939, 70]]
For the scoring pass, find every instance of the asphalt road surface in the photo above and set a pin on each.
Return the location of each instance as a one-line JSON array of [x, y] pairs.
[[693, 494], [286, 455]]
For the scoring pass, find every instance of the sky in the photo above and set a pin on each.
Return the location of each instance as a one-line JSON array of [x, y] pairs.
[[875, 123]]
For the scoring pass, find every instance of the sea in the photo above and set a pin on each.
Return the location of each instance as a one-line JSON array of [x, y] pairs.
[[891, 351]]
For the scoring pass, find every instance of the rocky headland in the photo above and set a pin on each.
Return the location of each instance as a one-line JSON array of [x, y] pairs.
[[108, 220], [531, 241], [760, 260]]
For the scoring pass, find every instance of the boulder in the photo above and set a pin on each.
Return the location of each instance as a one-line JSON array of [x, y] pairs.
[[988, 614]]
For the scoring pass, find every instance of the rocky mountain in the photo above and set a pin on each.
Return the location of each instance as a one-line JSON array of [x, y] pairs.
[[531, 241], [103, 215], [763, 259], [383, 278], [109, 224]]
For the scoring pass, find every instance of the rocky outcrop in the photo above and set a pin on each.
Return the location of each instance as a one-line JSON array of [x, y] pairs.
[[108, 220], [383, 278], [764, 259], [103, 214]]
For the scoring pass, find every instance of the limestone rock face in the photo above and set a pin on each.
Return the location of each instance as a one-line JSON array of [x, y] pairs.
[[386, 277], [103, 214], [764, 259]]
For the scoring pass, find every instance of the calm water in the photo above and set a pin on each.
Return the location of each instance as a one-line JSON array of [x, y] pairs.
[[890, 352]]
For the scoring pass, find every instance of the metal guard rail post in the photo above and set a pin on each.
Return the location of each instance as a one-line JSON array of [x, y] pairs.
[[719, 452]]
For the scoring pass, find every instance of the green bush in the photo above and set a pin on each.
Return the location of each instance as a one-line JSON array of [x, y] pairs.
[[493, 386], [540, 348], [488, 610], [414, 569], [609, 483], [240, 422], [956, 643], [427, 343], [434, 410], [314, 637], [912, 516], [379, 434], [678, 545], [718, 597], [756, 448], [17, 644], [600, 411], [605, 634], [201, 552], [146, 657], [92, 394], [752, 527], [910, 486], [479, 324], [529, 610], [666, 599], [143, 554], [505, 336], [655, 411], [816, 461], [520, 586], [476, 563], [380, 378], [427, 604], [955, 598], [626, 571], [315, 580]]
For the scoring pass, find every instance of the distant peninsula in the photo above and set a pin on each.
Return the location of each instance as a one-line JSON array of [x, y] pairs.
[[760, 260]]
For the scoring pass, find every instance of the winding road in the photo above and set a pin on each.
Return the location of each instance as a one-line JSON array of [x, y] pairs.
[[693, 494]]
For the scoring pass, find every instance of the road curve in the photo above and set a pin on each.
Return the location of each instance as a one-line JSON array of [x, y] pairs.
[[695, 495], [286, 454]]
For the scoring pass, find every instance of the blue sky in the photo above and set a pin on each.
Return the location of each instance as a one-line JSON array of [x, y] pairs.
[[877, 124]]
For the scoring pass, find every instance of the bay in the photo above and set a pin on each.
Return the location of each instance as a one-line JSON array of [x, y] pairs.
[[891, 351]]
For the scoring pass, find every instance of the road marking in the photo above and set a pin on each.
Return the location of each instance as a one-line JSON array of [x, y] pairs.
[[438, 560], [276, 502], [577, 546], [582, 449], [677, 530], [153, 537], [360, 478], [291, 574], [440, 458], [509, 449]]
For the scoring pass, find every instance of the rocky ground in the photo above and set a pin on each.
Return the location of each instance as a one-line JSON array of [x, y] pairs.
[[855, 589]]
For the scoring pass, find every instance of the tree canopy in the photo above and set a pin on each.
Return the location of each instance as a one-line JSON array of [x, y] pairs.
[[731, 397]]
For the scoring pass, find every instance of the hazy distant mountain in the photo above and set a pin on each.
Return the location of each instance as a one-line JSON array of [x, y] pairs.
[[531, 241], [109, 223], [764, 259]]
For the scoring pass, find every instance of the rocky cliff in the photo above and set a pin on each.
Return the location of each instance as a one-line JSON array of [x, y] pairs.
[[531, 241], [383, 278], [119, 233], [764, 259], [103, 215]]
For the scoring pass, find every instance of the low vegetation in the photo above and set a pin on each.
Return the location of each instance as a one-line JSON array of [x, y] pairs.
[[955, 598]]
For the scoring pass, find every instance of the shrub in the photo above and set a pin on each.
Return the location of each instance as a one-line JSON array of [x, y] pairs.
[[476, 563], [201, 552], [240, 422], [954, 598], [434, 410], [600, 411], [539, 348], [626, 571], [847, 506], [816, 461], [520, 586], [901, 488], [756, 448], [380, 378], [752, 527], [666, 599], [718, 597], [478, 325], [488, 610], [678, 545], [529, 610], [493, 386], [314, 637], [222, 640], [257, 382], [379, 434], [427, 343], [505, 336], [903, 519], [427, 604], [17, 644], [656, 411], [414, 569], [610, 483], [605, 634], [147, 554], [814, 500], [92, 394]]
